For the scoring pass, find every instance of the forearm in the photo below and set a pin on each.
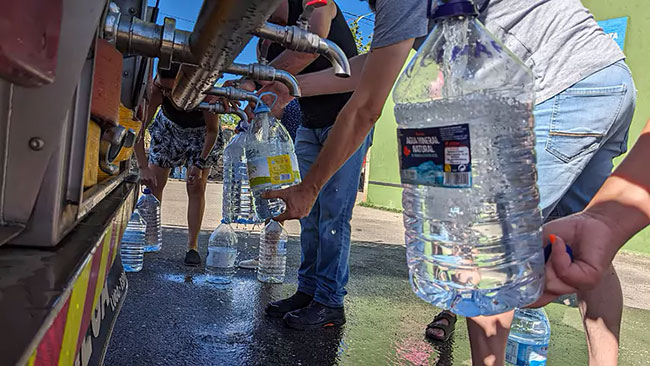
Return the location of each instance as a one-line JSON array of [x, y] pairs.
[[292, 61], [346, 136], [325, 82], [212, 133], [140, 154], [624, 199]]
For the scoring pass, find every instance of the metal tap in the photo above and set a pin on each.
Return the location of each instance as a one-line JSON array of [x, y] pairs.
[[219, 108], [297, 39], [233, 93], [303, 20], [268, 73]]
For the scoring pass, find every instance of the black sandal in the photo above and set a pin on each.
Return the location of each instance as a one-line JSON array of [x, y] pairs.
[[447, 329]]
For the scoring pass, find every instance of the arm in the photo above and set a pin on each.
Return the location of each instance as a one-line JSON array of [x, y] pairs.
[[319, 23], [620, 209], [353, 123], [322, 82], [147, 177]]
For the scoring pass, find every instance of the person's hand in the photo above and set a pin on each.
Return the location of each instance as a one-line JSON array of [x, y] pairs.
[[194, 175], [148, 178], [299, 200], [590, 237], [282, 92]]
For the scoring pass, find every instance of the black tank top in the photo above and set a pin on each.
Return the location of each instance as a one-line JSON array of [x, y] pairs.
[[184, 119], [321, 111]]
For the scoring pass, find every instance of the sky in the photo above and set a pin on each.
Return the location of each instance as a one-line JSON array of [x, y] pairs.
[[186, 11]]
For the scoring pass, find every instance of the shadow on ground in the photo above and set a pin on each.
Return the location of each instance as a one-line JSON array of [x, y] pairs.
[[173, 315]]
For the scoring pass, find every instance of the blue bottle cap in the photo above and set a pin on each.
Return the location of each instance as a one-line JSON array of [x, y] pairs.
[[261, 108], [450, 8], [147, 191]]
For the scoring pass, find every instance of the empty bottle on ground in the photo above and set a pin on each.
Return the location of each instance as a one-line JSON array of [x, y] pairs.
[[467, 162], [222, 254], [149, 208], [237, 205], [133, 243], [271, 161], [273, 253], [530, 334]]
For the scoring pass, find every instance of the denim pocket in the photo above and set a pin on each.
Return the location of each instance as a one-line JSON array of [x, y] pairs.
[[581, 120]]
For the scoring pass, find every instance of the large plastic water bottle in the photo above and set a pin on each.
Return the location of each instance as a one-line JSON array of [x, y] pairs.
[[273, 253], [133, 243], [237, 203], [222, 254], [271, 161], [149, 208], [530, 334], [467, 162]]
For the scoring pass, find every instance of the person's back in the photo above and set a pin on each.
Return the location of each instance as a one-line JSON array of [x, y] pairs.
[[558, 39]]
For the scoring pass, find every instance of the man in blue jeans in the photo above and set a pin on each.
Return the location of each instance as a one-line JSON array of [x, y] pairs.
[[586, 99], [325, 232]]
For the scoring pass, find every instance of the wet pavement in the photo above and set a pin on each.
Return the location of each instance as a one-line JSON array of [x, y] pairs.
[[173, 315]]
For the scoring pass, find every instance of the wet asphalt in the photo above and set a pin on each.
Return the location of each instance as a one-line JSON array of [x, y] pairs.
[[173, 315]]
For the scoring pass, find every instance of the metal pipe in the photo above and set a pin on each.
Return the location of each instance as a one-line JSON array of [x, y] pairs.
[[132, 35], [232, 93], [219, 108], [268, 73], [300, 40], [222, 30]]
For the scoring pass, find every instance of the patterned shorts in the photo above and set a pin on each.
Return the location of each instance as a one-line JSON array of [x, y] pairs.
[[173, 146]]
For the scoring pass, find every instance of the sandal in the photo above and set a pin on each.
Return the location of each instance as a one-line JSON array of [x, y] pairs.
[[447, 329]]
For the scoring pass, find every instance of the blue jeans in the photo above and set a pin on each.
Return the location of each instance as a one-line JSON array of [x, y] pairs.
[[579, 132], [325, 232]]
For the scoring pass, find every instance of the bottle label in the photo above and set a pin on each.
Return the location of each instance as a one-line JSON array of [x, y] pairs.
[[521, 354], [278, 169], [437, 156]]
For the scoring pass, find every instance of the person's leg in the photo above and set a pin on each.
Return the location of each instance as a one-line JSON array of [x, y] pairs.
[[195, 209], [307, 148], [336, 199], [488, 336], [161, 180]]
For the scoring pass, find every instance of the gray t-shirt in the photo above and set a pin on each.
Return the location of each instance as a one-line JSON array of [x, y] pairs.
[[558, 39]]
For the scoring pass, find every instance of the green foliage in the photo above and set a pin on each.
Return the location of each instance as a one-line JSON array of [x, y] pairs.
[[229, 121], [363, 43]]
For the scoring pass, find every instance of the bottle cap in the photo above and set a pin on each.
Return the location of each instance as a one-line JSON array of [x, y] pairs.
[[261, 108], [147, 191], [450, 8]]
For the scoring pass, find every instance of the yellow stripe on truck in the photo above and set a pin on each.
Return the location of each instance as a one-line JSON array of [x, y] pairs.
[[74, 316], [101, 276]]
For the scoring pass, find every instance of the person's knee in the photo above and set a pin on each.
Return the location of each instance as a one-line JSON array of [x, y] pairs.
[[196, 190]]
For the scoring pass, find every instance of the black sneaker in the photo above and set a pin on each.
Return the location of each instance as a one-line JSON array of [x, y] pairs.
[[315, 315], [278, 309], [192, 258]]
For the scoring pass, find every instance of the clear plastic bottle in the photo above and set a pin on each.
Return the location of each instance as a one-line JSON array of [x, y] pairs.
[[530, 335], [133, 243], [222, 254], [271, 161], [273, 253], [149, 208], [237, 203], [467, 162]]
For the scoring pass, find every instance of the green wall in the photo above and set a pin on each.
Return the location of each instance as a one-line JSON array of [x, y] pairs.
[[384, 166]]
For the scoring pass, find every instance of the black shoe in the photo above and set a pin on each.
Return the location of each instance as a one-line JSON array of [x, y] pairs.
[[315, 315], [278, 309], [192, 258]]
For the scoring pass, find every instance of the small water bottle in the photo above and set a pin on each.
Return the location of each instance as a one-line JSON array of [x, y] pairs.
[[530, 334], [222, 254], [149, 208], [273, 253], [237, 203], [133, 243], [464, 106]]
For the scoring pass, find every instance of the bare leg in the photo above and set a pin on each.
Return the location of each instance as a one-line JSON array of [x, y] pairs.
[[601, 310], [488, 336], [161, 180], [195, 209]]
